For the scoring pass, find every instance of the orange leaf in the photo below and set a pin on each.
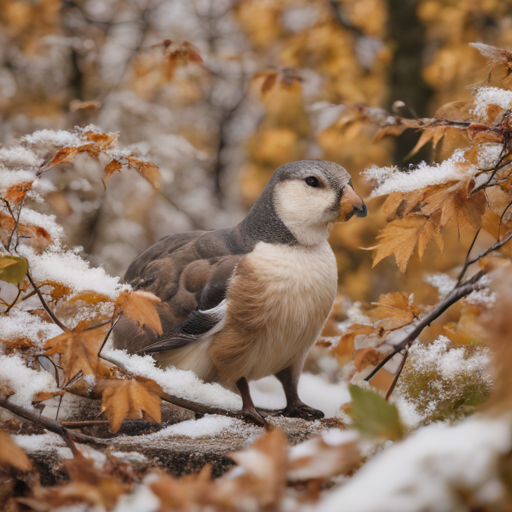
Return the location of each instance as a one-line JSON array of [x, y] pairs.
[[129, 399], [147, 170], [79, 356], [345, 347], [367, 356], [401, 236], [435, 133], [113, 166], [140, 306], [17, 193], [63, 155], [394, 310]]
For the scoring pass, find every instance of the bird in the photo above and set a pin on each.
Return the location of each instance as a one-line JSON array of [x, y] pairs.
[[243, 303]]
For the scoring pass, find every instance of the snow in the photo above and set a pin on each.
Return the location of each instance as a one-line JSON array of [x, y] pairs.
[[486, 96], [58, 138], [134, 457], [24, 382], [443, 282], [430, 470], [208, 426], [489, 155], [392, 179], [181, 383], [37, 442], [141, 500], [18, 157], [70, 269], [11, 178], [47, 222], [22, 325]]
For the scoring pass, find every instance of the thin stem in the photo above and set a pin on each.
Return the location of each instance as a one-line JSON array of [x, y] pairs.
[[14, 301], [466, 261], [502, 217], [45, 306], [397, 374]]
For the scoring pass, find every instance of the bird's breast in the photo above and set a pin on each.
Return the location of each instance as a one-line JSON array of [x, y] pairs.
[[278, 301]]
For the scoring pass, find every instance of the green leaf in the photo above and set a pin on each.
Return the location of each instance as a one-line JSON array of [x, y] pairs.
[[373, 416], [13, 269]]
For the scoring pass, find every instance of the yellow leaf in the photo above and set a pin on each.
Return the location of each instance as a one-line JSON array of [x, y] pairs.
[[140, 307], [394, 310]]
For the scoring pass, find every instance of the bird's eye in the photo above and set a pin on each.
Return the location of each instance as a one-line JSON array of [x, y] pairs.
[[312, 181]]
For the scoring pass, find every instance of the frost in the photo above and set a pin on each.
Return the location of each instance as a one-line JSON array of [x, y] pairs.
[[443, 282], [355, 315], [68, 268], [430, 470], [130, 457], [58, 138], [184, 384], [24, 382], [391, 179], [489, 155], [22, 325], [486, 96], [38, 442], [208, 426]]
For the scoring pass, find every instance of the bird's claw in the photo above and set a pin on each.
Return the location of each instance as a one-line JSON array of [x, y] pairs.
[[253, 416], [303, 411]]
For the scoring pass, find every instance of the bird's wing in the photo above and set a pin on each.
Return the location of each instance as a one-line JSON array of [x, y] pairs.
[[190, 273]]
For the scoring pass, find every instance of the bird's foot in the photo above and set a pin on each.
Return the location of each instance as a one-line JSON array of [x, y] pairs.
[[301, 410], [253, 416]]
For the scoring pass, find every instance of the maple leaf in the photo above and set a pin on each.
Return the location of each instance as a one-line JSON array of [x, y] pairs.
[[140, 307], [79, 357], [457, 206], [401, 236], [345, 346], [367, 356], [435, 134], [11, 455], [130, 399], [394, 310]]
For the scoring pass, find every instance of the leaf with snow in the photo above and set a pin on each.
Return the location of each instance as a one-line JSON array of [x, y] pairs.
[[130, 399], [373, 416]]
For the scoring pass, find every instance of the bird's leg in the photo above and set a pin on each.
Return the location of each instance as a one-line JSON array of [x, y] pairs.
[[249, 412], [295, 408]]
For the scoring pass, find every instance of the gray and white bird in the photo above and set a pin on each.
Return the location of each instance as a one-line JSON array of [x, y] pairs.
[[249, 301]]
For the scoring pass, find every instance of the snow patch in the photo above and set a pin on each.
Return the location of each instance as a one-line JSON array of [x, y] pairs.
[[10, 178], [58, 138], [19, 157], [24, 382], [443, 282], [22, 325], [392, 179], [208, 426], [486, 96]]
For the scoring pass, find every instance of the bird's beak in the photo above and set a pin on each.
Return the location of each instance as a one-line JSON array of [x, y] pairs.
[[351, 204]]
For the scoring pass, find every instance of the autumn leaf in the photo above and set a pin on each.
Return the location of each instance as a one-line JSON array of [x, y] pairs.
[[102, 140], [79, 357], [367, 356], [35, 236], [457, 205], [373, 416], [494, 55], [90, 297], [11, 455], [63, 155], [147, 170], [140, 306], [401, 236], [17, 193], [113, 166], [13, 269], [435, 134], [394, 310], [129, 399], [345, 346]]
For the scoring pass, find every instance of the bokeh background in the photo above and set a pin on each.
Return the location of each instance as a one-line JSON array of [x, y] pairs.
[[219, 93]]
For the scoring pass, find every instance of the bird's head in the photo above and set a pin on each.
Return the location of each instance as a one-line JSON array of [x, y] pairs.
[[310, 195]]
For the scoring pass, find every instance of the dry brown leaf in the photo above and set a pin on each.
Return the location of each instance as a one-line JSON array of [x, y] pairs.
[[457, 206], [146, 169], [394, 310], [401, 236], [435, 134], [17, 193], [113, 166], [367, 356], [345, 347], [46, 395], [79, 357], [140, 306], [11, 455], [130, 399], [494, 55], [89, 296], [35, 236], [325, 456]]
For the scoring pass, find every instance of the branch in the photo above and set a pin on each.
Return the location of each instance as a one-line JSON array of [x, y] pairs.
[[45, 306], [51, 425], [454, 296]]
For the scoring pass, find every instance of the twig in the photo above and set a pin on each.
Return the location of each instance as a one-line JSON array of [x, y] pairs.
[[466, 261], [51, 425], [14, 301], [45, 306], [502, 216], [397, 374], [494, 247], [454, 296], [496, 167], [87, 423]]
